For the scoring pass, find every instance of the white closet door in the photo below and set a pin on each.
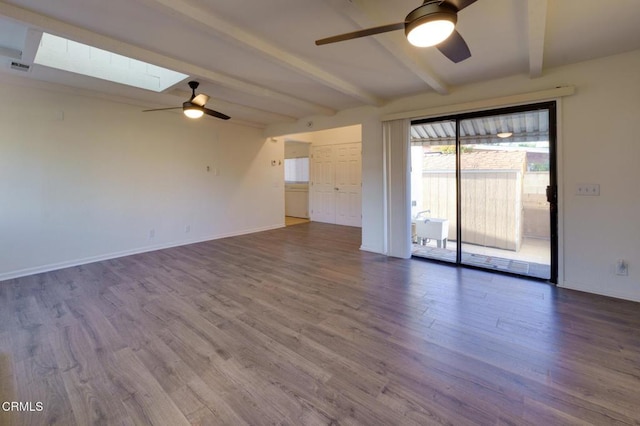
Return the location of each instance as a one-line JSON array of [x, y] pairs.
[[336, 189]]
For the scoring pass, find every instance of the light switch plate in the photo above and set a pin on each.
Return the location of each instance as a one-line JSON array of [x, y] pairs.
[[591, 189]]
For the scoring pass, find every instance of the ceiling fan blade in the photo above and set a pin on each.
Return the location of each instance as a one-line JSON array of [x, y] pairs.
[[460, 4], [200, 100], [161, 109], [361, 33], [455, 48], [215, 114]]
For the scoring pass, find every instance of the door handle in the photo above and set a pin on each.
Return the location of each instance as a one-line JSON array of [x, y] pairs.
[[336, 188], [552, 194]]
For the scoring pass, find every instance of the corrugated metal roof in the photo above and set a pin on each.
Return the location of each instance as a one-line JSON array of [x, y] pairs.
[[528, 126]]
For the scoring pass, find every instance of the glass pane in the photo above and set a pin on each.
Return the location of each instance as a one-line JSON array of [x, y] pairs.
[[433, 190], [296, 170], [505, 218]]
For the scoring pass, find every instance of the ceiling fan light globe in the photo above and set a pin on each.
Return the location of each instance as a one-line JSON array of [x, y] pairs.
[[430, 24], [430, 33], [192, 111]]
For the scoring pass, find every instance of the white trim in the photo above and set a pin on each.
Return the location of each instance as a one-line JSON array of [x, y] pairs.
[[386, 155], [599, 291], [68, 264], [560, 188], [524, 98], [371, 250]]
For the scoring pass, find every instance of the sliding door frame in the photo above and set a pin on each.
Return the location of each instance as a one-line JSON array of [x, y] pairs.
[[552, 191]]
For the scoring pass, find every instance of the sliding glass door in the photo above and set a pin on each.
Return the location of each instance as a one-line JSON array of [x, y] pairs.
[[489, 179], [434, 191]]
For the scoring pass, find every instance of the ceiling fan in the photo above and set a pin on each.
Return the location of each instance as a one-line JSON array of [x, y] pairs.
[[195, 106], [432, 24]]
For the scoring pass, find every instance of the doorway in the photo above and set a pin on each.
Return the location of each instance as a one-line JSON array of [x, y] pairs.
[[296, 181], [323, 176], [483, 190]]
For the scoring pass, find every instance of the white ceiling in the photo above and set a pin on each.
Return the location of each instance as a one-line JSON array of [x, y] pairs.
[[258, 61]]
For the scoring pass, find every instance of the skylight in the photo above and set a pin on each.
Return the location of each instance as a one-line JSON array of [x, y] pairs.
[[68, 55]]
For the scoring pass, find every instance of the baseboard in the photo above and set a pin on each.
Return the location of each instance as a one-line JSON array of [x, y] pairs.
[[108, 256], [601, 292], [370, 249]]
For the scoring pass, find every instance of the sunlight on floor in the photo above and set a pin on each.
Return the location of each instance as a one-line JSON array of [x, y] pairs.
[[290, 221]]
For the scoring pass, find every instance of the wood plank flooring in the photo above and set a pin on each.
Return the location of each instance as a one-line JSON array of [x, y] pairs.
[[297, 326], [291, 221]]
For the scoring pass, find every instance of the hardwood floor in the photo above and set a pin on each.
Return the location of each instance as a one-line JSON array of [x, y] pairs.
[[297, 326], [291, 221]]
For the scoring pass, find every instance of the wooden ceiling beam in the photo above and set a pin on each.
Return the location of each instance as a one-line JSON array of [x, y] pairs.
[[537, 19], [209, 21], [362, 14]]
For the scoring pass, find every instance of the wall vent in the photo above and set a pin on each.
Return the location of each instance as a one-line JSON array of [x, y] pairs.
[[20, 66]]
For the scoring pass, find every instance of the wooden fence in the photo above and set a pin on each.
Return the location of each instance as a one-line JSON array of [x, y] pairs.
[[492, 205]]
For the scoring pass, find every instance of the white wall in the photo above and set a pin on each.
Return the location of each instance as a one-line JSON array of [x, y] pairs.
[[83, 179], [340, 135], [296, 149], [598, 142]]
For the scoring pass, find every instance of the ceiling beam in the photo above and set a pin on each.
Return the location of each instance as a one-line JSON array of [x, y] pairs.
[[537, 18], [257, 118], [176, 97], [213, 23], [49, 24], [362, 14], [9, 52], [31, 44]]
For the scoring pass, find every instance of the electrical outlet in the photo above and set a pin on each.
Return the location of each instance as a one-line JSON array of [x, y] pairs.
[[152, 234], [187, 229], [622, 268]]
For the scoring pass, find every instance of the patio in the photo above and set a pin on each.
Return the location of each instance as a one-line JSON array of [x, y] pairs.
[[533, 258]]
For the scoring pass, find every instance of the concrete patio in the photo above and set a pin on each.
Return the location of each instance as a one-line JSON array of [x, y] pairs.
[[533, 259]]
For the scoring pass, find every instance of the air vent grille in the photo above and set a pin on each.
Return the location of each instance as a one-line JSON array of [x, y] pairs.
[[20, 66]]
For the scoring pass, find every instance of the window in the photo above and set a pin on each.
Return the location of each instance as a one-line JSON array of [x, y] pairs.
[[296, 170], [68, 55]]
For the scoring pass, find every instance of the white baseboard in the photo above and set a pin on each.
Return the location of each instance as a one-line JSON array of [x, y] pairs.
[[370, 249], [601, 291], [108, 256]]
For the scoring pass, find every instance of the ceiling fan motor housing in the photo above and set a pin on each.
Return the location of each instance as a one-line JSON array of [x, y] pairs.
[[190, 105], [430, 11]]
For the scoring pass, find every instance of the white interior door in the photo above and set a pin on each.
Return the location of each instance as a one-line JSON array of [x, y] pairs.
[[348, 184], [336, 188], [323, 205]]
